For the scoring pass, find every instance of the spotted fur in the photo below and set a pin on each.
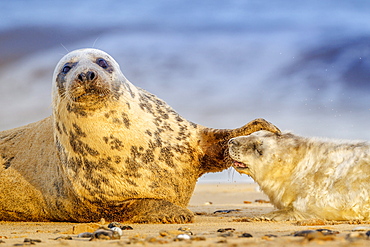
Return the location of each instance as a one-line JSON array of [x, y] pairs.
[[109, 150]]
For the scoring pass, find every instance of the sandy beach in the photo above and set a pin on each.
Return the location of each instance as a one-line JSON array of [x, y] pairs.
[[209, 229], [238, 62]]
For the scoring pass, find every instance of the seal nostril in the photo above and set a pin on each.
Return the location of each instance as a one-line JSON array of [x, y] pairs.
[[81, 77], [90, 76]]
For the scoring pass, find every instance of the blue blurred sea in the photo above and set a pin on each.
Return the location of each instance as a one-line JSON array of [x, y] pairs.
[[302, 65]]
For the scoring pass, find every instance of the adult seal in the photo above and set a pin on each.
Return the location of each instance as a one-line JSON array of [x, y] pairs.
[[109, 150], [305, 177]]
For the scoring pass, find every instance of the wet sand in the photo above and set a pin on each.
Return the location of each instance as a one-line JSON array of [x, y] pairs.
[[205, 231]]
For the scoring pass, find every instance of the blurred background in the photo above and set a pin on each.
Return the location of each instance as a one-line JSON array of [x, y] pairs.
[[302, 65]]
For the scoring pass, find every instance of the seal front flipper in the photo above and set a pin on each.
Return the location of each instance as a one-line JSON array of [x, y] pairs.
[[214, 143], [154, 211], [288, 214]]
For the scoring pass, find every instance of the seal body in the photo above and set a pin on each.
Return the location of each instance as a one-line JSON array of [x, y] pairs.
[[109, 150], [307, 177]]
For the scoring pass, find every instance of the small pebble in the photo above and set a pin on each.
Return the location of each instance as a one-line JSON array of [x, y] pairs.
[[165, 233], [208, 203], [126, 228], [303, 233], [185, 230], [102, 221], [361, 229], [327, 232], [246, 235], [368, 234], [2, 241], [85, 235], [269, 237], [356, 236], [117, 224], [31, 241], [63, 238], [226, 211], [320, 234], [117, 229], [226, 230], [105, 235], [182, 237], [262, 201], [226, 234]]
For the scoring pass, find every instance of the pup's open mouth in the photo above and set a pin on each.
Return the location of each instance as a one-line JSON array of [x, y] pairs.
[[239, 165]]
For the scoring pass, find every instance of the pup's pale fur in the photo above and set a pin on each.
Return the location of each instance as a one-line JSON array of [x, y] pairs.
[[109, 150], [307, 177]]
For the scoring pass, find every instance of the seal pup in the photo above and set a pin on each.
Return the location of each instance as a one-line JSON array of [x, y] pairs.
[[110, 150], [307, 177]]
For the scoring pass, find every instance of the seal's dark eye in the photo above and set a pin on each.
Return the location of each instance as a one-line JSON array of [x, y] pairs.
[[102, 63], [66, 68]]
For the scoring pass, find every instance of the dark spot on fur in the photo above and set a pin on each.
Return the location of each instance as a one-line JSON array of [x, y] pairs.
[[134, 152], [105, 139], [128, 88], [58, 128], [64, 129], [80, 147], [148, 156], [7, 162], [77, 110], [145, 103], [114, 142], [167, 126], [132, 168], [110, 113], [131, 182], [183, 133], [78, 130], [126, 120], [75, 164], [179, 119], [117, 159], [59, 147], [59, 185], [154, 185], [117, 121], [132, 193], [166, 155], [194, 125], [138, 156]]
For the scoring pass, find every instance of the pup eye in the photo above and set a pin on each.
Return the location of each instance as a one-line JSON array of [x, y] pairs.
[[257, 148], [66, 68], [102, 63]]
